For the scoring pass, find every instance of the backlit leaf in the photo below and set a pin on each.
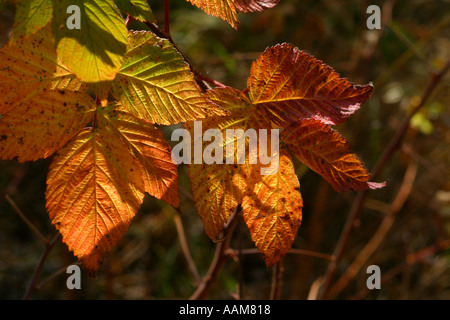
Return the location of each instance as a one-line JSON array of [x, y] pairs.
[[152, 152], [292, 85], [138, 9], [156, 84], [273, 211], [326, 152], [30, 66], [97, 182], [224, 9], [95, 51], [35, 129], [219, 187], [228, 9]]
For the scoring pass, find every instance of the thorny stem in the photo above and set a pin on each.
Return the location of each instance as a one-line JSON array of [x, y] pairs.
[[389, 151]]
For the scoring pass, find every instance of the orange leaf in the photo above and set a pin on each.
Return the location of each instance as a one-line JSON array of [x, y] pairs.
[[273, 211], [224, 9], [96, 184], [326, 152], [292, 85], [35, 129], [219, 187]]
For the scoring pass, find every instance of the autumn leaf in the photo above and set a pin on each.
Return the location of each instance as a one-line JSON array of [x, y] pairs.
[[326, 152], [35, 129], [29, 66], [96, 183], [228, 9], [156, 84], [273, 210], [94, 52], [292, 85], [297, 94], [219, 187]]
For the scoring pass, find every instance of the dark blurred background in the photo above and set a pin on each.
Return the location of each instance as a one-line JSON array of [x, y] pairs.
[[398, 59]]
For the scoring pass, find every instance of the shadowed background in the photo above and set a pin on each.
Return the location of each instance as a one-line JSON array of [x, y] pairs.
[[413, 255]]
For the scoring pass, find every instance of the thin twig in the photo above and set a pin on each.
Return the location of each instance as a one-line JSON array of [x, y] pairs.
[[385, 157], [25, 219], [185, 246], [411, 259], [314, 254], [219, 258], [380, 233], [37, 272], [54, 275]]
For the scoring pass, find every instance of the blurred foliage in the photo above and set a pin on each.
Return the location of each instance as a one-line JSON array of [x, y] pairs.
[[148, 262]]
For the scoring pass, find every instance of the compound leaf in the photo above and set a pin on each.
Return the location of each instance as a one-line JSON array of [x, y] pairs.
[[152, 152], [96, 183]]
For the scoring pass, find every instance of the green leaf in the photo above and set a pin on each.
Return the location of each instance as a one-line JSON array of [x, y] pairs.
[[31, 16], [95, 51], [138, 9]]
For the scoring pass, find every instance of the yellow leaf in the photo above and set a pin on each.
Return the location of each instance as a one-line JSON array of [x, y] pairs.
[[156, 84], [30, 66], [35, 129], [150, 149]]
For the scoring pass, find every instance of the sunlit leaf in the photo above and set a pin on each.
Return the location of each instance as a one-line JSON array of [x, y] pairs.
[[138, 9], [326, 152], [224, 9], [152, 152], [95, 51], [292, 85], [37, 128], [30, 66], [156, 84], [255, 5], [273, 211]]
